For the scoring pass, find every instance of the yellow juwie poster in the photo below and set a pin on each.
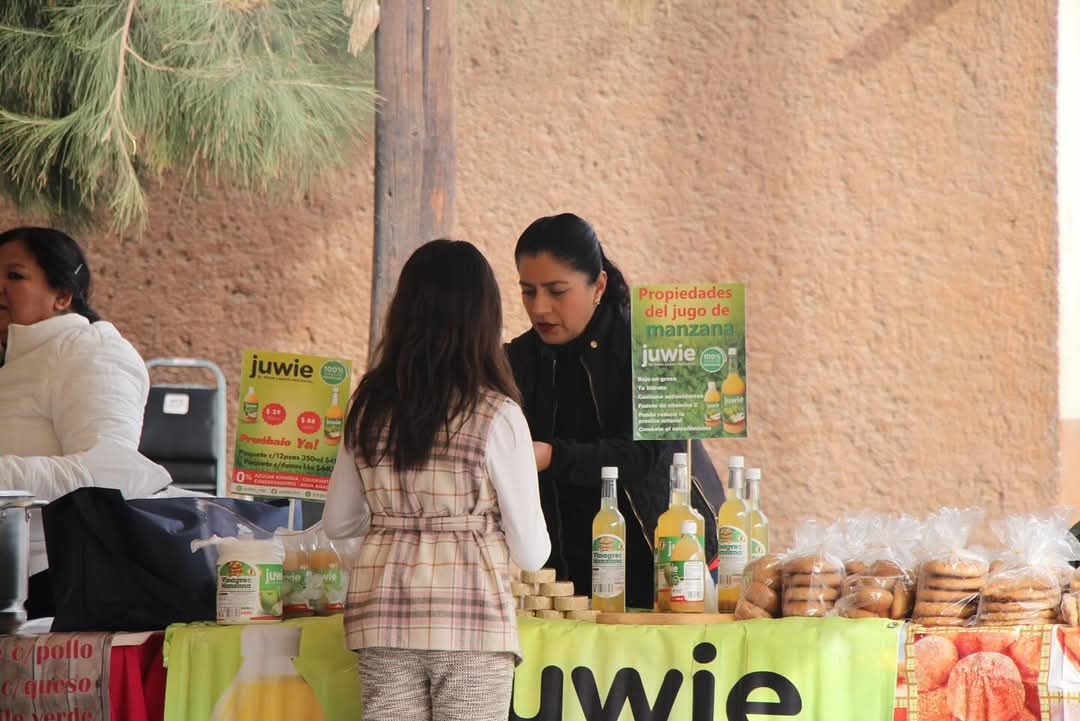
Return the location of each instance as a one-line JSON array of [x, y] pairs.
[[290, 420]]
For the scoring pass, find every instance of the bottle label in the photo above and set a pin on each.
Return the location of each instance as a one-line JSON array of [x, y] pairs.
[[251, 411], [688, 581], [713, 413], [733, 550], [757, 549], [608, 566], [249, 592], [332, 427], [663, 563], [329, 587], [294, 591], [734, 408]]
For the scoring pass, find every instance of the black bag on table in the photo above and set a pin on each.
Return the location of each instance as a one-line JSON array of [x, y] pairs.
[[121, 565]]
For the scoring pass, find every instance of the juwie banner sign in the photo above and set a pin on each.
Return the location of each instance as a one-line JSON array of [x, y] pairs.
[[688, 344], [290, 420]]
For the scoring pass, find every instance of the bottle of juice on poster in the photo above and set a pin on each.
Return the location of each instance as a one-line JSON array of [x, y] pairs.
[[669, 529], [267, 686], [609, 548], [251, 406], [733, 539], [327, 580], [713, 406], [733, 396], [759, 522], [333, 420], [688, 572]]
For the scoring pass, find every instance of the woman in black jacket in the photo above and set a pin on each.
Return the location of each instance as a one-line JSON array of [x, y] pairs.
[[573, 369]]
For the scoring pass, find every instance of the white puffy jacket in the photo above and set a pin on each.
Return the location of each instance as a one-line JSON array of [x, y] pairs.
[[72, 395]]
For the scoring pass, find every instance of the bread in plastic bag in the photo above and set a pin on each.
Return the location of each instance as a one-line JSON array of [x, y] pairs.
[[954, 573], [882, 547], [1025, 587], [760, 596], [813, 571]]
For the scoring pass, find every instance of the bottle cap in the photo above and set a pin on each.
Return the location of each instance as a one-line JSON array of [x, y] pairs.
[[680, 459], [263, 641], [609, 473], [688, 527], [753, 474], [735, 461]]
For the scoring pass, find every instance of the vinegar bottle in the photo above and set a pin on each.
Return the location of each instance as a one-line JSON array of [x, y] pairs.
[[609, 548], [733, 547], [688, 572], [669, 529], [759, 522], [733, 397], [333, 420], [267, 686], [251, 406]]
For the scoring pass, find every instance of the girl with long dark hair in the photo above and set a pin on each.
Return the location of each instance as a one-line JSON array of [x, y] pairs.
[[437, 474]]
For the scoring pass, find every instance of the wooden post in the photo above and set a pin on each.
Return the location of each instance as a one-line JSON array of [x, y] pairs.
[[414, 138]]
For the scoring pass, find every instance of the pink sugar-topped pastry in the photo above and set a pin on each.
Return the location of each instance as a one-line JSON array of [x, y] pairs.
[[935, 657], [986, 686]]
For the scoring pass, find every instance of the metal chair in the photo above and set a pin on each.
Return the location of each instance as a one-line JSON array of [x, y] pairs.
[[184, 427]]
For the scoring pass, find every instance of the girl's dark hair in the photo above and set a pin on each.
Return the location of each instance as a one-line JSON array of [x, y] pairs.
[[62, 260], [441, 348], [573, 241]]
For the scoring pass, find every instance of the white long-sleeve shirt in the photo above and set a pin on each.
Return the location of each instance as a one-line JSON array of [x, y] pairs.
[[511, 465], [72, 395]]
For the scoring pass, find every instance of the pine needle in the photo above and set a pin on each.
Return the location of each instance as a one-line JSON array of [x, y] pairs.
[[98, 95]]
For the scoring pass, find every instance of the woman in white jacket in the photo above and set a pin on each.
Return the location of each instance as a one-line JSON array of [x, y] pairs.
[[72, 389]]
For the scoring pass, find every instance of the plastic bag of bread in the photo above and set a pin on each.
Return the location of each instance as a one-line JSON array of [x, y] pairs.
[[760, 597], [1070, 599], [952, 573], [881, 579], [813, 570], [1024, 587]]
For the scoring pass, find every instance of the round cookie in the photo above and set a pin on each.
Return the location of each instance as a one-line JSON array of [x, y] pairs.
[[810, 593], [1021, 595], [744, 611], [992, 606], [901, 604], [763, 597], [853, 612], [766, 569], [961, 610], [806, 608], [1018, 619], [815, 579], [953, 583], [853, 567], [1074, 584], [1010, 586], [877, 600], [854, 583], [813, 564], [1070, 609], [940, 620], [935, 595], [956, 567], [887, 569]]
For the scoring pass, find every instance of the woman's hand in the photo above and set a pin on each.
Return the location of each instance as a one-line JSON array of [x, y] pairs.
[[543, 455]]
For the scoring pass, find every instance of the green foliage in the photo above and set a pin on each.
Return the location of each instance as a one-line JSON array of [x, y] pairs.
[[97, 95]]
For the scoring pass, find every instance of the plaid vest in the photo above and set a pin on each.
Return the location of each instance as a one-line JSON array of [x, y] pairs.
[[433, 571]]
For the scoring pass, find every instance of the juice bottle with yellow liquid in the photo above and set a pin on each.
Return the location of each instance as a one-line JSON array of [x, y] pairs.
[[759, 522], [713, 406], [733, 396], [267, 686], [327, 580], [688, 572], [609, 548], [296, 572], [251, 406], [733, 536], [333, 420], [669, 529]]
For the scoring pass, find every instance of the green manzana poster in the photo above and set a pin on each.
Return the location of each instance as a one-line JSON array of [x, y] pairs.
[[688, 345], [290, 420]]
